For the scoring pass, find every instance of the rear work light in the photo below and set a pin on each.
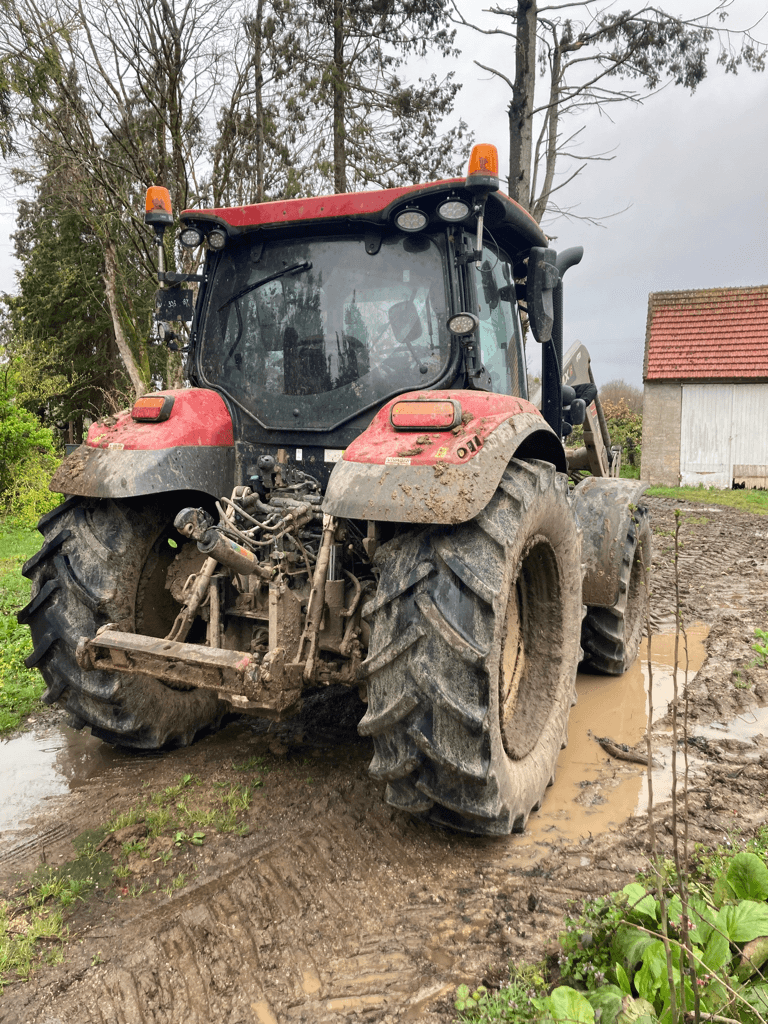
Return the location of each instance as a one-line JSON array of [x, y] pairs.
[[152, 408], [426, 414]]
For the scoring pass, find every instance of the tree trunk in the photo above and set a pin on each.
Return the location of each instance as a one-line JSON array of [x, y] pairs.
[[339, 141], [521, 108], [258, 57], [110, 287], [539, 206]]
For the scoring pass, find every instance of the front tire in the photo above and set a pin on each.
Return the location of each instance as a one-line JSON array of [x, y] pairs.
[[473, 656], [105, 561]]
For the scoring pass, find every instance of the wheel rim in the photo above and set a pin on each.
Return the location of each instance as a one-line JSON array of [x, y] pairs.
[[530, 669]]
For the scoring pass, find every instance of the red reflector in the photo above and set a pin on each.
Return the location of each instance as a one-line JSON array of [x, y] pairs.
[[153, 408], [426, 415]]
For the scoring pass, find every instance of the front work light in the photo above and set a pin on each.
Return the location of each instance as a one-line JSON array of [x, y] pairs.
[[190, 238], [217, 239], [463, 323], [426, 414], [152, 408], [158, 209], [411, 220], [453, 210]]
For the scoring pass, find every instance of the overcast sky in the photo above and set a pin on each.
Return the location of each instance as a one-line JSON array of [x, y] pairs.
[[692, 169]]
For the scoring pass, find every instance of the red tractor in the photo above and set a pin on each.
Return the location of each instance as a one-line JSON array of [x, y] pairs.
[[354, 492]]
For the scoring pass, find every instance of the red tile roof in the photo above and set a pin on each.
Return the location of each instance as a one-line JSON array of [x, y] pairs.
[[714, 333]]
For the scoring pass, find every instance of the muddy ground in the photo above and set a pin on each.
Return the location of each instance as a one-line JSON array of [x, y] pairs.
[[334, 908]]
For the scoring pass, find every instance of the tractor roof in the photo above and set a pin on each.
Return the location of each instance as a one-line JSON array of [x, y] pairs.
[[506, 218]]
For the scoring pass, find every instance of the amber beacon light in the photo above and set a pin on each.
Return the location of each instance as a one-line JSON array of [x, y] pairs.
[[483, 170], [158, 208]]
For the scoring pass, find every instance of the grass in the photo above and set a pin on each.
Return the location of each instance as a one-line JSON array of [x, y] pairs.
[[745, 501], [20, 687], [35, 916]]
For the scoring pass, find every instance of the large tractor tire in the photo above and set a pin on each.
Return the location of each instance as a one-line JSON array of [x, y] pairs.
[[473, 656], [611, 636], [106, 561]]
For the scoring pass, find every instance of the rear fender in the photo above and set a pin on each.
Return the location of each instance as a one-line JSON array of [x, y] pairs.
[[191, 450], [604, 508], [438, 476]]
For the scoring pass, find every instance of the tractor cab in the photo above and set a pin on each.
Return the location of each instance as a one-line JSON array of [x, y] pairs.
[[313, 313]]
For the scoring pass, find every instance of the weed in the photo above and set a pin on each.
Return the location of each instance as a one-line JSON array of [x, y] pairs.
[[165, 856], [176, 883], [226, 820], [196, 839], [122, 871], [157, 822], [136, 846], [761, 648], [130, 817], [96, 959], [253, 764], [138, 890], [739, 682]]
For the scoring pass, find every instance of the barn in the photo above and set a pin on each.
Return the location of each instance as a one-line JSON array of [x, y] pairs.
[[705, 400]]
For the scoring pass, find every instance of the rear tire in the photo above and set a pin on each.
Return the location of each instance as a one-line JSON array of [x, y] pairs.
[[473, 656], [105, 561], [611, 636]]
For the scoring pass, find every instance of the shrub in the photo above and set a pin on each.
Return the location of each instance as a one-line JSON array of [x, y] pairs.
[[27, 461]]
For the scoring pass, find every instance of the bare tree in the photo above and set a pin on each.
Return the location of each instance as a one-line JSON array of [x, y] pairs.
[[592, 57]]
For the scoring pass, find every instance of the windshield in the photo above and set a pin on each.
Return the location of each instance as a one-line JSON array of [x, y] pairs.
[[304, 334]]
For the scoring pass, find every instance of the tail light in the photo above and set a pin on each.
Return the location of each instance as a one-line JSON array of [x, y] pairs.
[[426, 414], [152, 408]]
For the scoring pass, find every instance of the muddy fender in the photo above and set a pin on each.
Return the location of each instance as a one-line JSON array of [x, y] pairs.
[[192, 449], [438, 476], [604, 508]]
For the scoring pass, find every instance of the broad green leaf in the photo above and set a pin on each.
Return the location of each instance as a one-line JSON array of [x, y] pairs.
[[744, 922], [757, 996], [722, 891], [566, 1004], [628, 946], [703, 917], [623, 980], [607, 999], [675, 911], [748, 877], [717, 951], [648, 978], [640, 903], [636, 1011]]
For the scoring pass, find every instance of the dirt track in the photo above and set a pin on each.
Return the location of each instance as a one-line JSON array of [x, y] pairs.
[[333, 908]]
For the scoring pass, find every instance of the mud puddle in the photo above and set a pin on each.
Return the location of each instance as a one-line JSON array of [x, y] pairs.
[[593, 793], [49, 761]]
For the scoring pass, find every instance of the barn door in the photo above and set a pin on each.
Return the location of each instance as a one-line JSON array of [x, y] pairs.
[[749, 436], [705, 435]]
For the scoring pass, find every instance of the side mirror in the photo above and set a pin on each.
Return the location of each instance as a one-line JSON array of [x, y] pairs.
[[404, 321], [543, 278]]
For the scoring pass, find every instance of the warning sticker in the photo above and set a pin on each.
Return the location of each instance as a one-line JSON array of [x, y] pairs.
[[333, 454], [441, 453], [396, 460]]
